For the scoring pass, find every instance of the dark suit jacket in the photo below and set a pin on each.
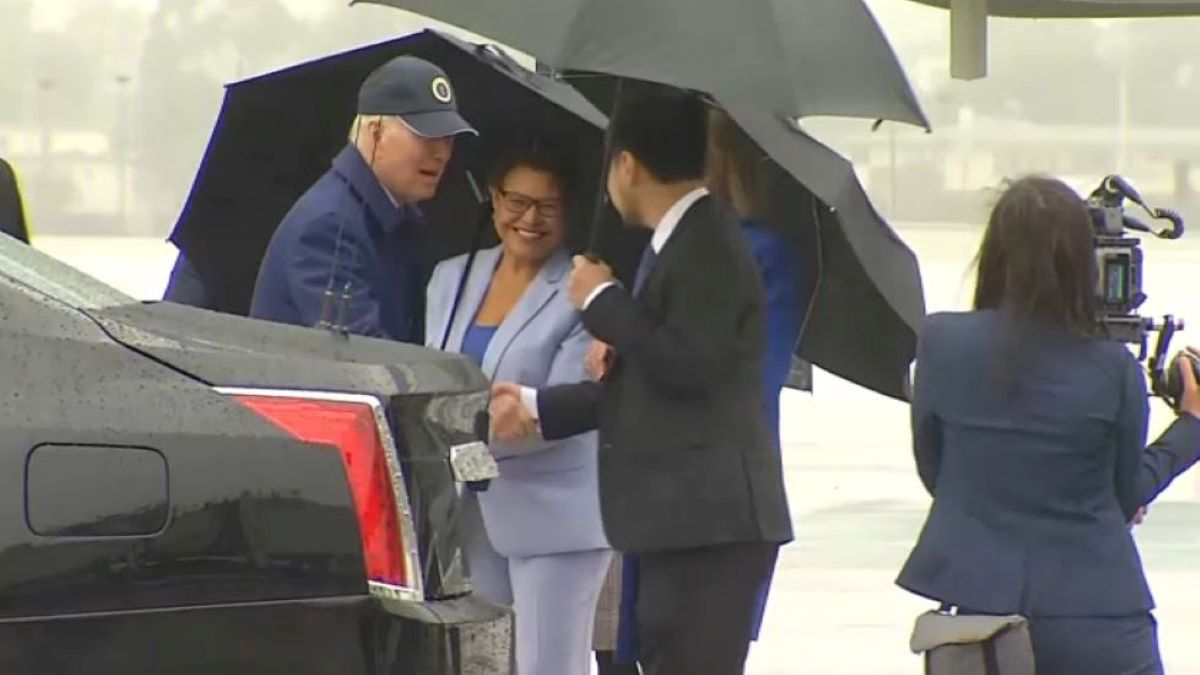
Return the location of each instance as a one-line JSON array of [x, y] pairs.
[[346, 229], [1032, 492], [686, 459]]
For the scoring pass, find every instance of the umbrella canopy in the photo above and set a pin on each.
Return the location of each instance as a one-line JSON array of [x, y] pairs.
[[1081, 9], [817, 57], [277, 133], [868, 298]]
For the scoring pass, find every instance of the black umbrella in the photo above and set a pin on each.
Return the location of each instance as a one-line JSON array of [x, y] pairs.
[[277, 133], [800, 58], [1078, 9], [868, 298]]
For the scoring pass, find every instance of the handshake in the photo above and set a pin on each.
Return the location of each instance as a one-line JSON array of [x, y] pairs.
[[513, 421]]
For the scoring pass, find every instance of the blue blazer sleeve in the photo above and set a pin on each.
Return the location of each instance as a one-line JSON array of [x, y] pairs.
[[1131, 439], [926, 426], [311, 262], [185, 286], [785, 308], [1143, 472]]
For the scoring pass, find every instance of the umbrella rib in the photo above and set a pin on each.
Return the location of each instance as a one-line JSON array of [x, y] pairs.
[[569, 35]]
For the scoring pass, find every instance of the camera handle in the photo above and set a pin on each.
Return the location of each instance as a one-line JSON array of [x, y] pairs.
[[1113, 189], [1160, 361]]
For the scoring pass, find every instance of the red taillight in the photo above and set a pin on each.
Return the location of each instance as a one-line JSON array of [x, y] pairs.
[[352, 428]]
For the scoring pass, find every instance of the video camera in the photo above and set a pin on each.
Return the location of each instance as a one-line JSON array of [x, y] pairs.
[[1119, 291]]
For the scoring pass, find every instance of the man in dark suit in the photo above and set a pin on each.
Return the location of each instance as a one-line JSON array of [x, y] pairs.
[[690, 480]]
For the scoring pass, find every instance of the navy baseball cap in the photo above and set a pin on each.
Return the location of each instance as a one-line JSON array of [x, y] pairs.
[[416, 91]]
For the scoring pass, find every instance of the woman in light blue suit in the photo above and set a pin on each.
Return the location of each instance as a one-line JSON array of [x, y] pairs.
[[534, 536]]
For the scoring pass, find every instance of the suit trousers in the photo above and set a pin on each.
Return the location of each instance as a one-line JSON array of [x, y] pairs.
[[1120, 645], [553, 599], [696, 607]]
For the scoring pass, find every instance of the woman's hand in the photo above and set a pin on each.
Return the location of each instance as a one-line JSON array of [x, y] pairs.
[[1189, 401], [599, 360]]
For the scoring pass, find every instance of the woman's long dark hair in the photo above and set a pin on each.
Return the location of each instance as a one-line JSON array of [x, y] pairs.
[[1037, 266]]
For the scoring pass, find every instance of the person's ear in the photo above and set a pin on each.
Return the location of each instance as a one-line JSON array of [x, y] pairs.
[[626, 167]]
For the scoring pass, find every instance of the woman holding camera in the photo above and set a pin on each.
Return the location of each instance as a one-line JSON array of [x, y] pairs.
[[1029, 430]]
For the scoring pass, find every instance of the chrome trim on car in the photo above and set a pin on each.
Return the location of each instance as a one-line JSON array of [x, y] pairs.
[[415, 590]]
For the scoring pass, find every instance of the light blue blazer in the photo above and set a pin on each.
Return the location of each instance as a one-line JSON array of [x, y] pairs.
[[546, 499]]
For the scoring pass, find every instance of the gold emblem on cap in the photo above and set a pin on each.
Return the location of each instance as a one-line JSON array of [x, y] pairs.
[[441, 89]]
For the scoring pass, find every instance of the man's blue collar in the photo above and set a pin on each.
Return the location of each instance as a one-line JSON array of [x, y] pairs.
[[349, 163]]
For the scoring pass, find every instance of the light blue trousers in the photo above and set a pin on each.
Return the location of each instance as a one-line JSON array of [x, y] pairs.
[[553, 599]]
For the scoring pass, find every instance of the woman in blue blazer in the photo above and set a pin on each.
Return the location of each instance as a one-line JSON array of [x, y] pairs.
[[534, 536], [735, 175], [1029, 429]]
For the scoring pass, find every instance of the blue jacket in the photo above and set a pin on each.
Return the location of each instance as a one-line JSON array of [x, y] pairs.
[[785, 312], [185, 286], [546, 499], [1033, 491], [379, 250]]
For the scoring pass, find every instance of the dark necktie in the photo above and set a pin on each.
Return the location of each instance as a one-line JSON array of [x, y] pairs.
[[643, 268]]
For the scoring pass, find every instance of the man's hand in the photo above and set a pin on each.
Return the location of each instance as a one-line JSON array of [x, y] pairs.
[[1189, 401], [511, 421], [1139, 516], [599, 360], [586, 276]]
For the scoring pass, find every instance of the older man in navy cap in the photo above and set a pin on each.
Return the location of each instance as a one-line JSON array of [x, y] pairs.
[[350, 251]]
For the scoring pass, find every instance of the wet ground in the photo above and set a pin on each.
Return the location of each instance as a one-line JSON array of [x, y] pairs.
[[855, 498], [857, 503]]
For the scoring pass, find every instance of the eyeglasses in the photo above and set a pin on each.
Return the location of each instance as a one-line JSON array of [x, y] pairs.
[[518, 204]]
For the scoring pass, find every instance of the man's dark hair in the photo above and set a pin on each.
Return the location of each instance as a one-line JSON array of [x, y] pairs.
[[666, 130]]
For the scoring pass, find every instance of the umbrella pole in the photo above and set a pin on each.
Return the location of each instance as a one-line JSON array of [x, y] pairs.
[[601, 190], [485, 214]]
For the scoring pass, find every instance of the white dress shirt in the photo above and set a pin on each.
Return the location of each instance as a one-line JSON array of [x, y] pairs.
[[662, 232]]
